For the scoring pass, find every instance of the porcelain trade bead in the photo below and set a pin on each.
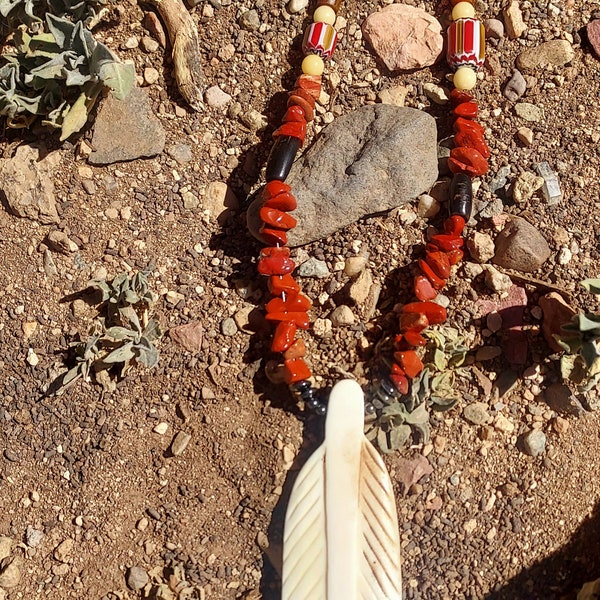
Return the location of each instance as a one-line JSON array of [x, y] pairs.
[[324, 14], [313, 65], [465, 78], [463, 10]]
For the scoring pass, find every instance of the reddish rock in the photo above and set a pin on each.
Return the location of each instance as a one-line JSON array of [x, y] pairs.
[[310, 84], [471, 138], [404, 37], [189, 336], [593, 32]]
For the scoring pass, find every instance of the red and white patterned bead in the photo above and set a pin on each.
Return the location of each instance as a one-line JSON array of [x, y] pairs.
[[321, 39], [466, 43]]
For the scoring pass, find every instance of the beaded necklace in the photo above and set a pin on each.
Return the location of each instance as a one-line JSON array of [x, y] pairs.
[[288, 307]]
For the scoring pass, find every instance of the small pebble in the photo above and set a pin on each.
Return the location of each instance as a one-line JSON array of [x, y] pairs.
[[161, 428], [151, 75], [137, 578], [249, 20], [180, 443], [534, 442], [149, 44], [295, 6], [215, 97], [494, 28], [525, 136], [229, 327], [342, 316], [182, 153]]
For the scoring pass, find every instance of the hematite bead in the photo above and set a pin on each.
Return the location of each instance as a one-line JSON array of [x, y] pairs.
[[321, 409], [461, 196], [387, 386], [282, 157], [301, 386], [313, 403]]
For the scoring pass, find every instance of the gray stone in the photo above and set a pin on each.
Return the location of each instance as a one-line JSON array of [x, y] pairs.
[[534, 442], [26, 183], [477, 413], [220, 201], [521, 246], [496, 281], [33, 537], [365, 162], [229, 327], [249, 20], [515, 87], [529, 112], [555, 53], [342, 316], [182, 153], [60, 242], [313, 267], [494, 28], [126, 129], [137, 578], [360, 287]]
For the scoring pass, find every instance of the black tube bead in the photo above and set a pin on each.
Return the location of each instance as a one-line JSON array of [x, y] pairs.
[[461, 196], [282, 157]]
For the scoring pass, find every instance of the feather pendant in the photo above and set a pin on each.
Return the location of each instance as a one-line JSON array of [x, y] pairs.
[[341, 539]]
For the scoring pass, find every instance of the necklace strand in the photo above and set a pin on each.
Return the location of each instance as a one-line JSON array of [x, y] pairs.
[[288, 307]]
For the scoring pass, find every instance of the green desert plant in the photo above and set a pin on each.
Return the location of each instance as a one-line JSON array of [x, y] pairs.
[[122, 336], [57, 74], [32, 12], [581, 340]]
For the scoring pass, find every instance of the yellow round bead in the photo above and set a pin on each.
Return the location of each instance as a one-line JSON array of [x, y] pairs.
[[463, 10], [313, 65], [324, 14], [465, 78]]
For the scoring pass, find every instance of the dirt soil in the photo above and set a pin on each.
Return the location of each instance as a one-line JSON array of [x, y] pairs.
[[87, 468]]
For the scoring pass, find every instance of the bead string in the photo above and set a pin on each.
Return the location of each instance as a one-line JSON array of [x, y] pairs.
[[288, 307]]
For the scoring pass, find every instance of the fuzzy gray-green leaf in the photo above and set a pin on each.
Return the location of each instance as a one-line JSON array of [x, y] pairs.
[[591, 285]]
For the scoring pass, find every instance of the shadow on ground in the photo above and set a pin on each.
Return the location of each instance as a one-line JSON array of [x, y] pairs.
[[561, 575]]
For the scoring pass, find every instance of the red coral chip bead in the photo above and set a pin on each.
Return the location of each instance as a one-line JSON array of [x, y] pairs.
[[447, 242], [455, 256], [284, 336], [300, 97], [273, 236], [299, 318], [414, 338], [468, 161], [275, 265], [472, 139], [293, 303], [296, 370], [296, 350], [397, 369], [413, 322], [275, 187], [284, 201], [468, 110], [409, 361], [294, 113], [454, 225], [310, 84], [292, 129], [459, 96], [275, 251], [277, 218], [423, 288], [437, 282], [400, 382], [461, 124], [283, 284], [434, 312], [439, 262]]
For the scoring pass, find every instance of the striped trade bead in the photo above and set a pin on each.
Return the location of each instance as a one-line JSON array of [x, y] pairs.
[[320, 38], [466, 43]]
